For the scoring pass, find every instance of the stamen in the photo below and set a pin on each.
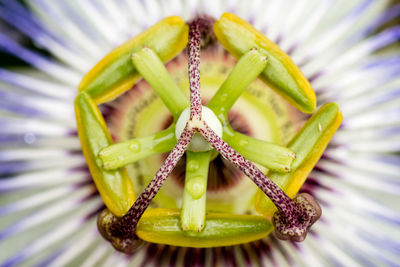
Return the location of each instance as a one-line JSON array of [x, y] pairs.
[[293, 218], [121, 232], [141, 204]]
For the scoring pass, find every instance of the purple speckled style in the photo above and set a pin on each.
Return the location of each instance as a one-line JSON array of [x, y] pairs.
[[195, 34]]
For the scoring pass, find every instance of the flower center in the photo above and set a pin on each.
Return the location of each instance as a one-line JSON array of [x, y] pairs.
[[293, 217], [259, 113], [198, 142]]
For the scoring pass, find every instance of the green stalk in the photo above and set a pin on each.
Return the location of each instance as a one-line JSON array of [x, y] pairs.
[[269, 155], [194, 195], [154, 72], [249, 66], [118, 155]]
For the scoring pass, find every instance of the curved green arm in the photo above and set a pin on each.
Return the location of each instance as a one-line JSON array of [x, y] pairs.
[[115, 73], [114, 186], [309, 144], [281, 74]]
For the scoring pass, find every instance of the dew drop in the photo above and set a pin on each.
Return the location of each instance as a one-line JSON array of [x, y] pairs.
[[196, 187], [134, 147], [192, 165]]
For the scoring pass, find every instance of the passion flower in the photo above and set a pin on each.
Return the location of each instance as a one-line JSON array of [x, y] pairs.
[[293, 218], [48, 204]]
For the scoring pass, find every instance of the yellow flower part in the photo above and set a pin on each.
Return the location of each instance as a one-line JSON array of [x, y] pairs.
[[163, 226], [115, 73], [281, 73], [309, 144], [114, 186]]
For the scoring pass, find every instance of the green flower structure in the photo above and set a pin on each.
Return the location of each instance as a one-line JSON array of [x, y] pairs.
[[200, 131], [138, 161]]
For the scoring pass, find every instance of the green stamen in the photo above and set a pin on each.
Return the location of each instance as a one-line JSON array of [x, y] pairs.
[[269, 155], [118, 155], [249, 66]]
